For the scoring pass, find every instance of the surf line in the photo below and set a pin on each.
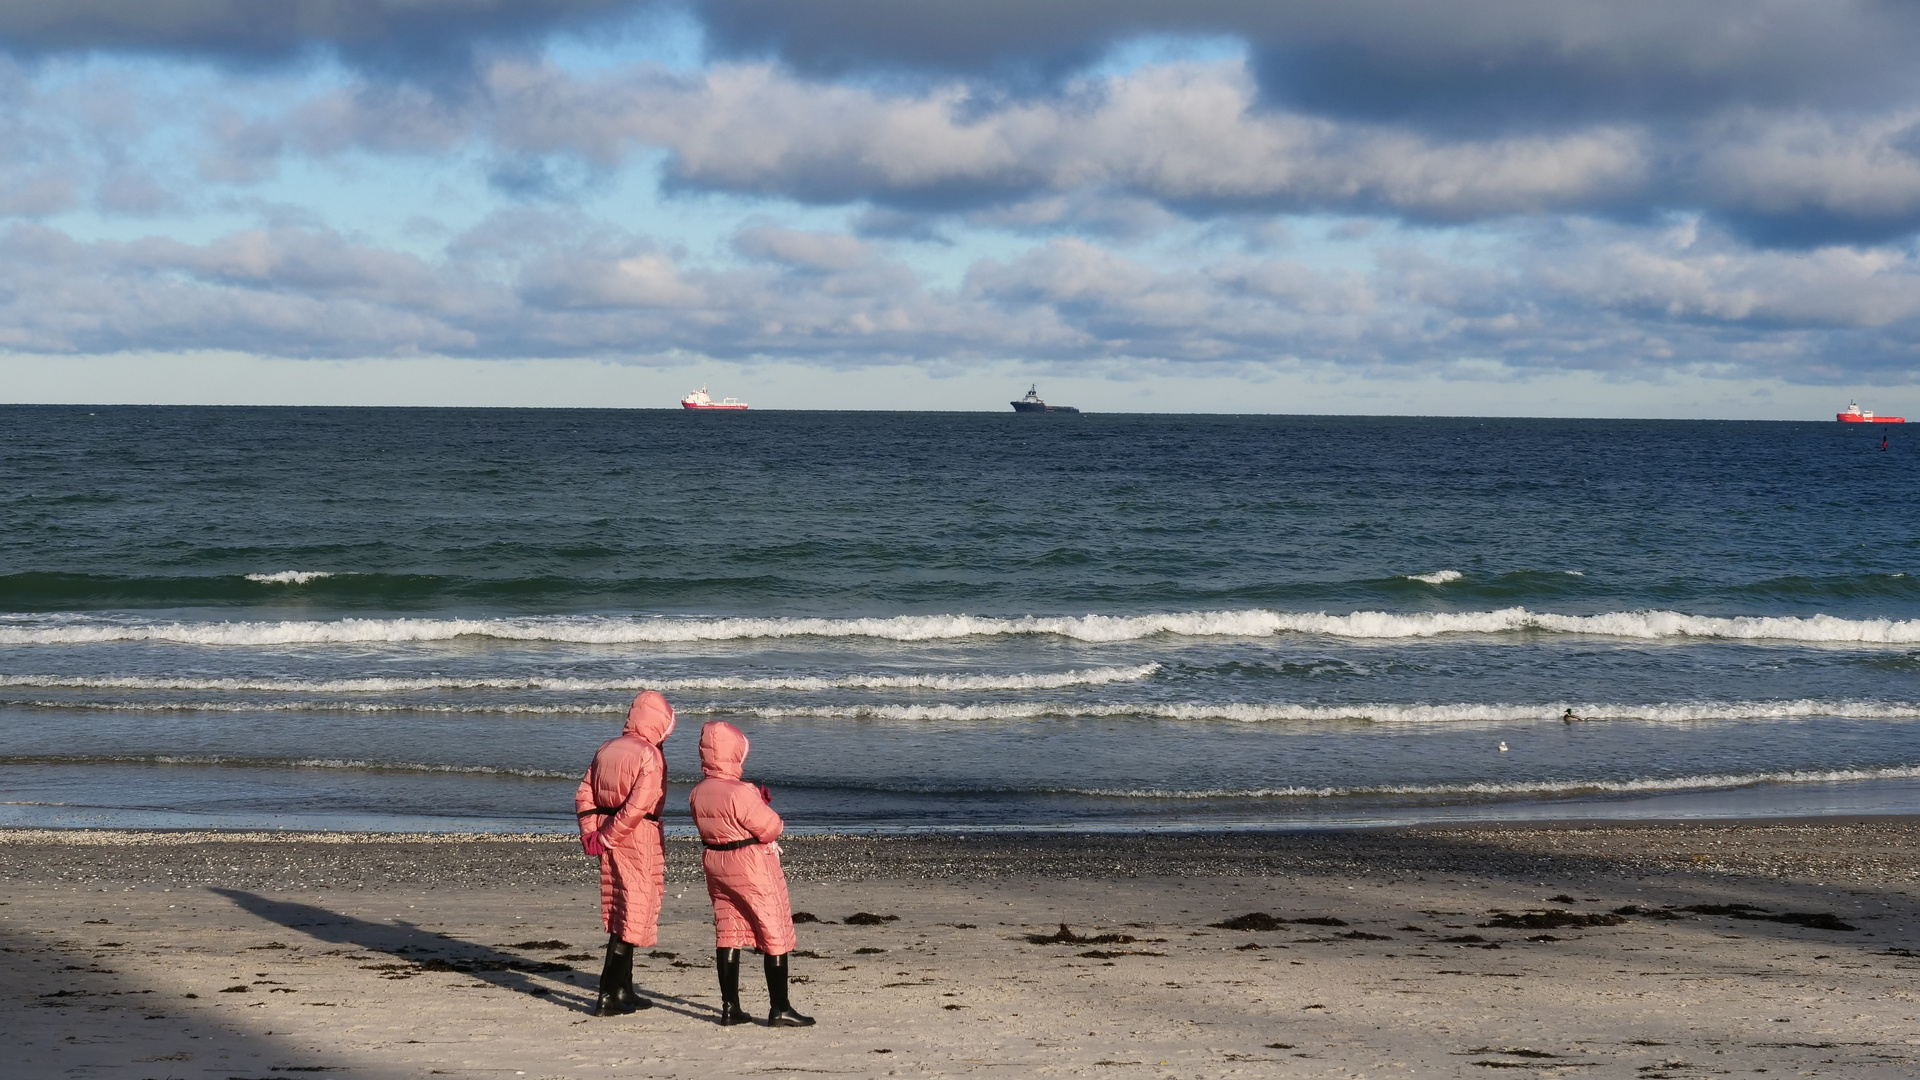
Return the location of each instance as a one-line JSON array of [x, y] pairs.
[[1092, 629]]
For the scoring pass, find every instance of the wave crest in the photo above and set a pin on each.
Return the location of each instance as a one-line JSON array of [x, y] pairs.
[[1194, 712], [1052, 680], [1363, 712], [1542, 788], [289, 577], [605, 630]]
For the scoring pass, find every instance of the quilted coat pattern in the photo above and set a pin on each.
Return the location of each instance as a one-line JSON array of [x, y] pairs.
[[622, 795], [746, 884]]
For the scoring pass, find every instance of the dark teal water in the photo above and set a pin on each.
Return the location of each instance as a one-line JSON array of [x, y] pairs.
[[414, 618]]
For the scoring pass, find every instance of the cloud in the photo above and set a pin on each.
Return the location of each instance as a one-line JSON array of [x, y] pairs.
[[1689, 275], [1124, 155], [406, 37], [529, 284], [808, 250], [1469, 62], [1178, 134], [1116, 154], [1807, 177], [79, 143], [1473, 64]]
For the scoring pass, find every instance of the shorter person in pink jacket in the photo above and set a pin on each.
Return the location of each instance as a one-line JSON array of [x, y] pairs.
[[749, 890]]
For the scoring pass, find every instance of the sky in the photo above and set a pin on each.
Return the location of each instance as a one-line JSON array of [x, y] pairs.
[[1690, 208]]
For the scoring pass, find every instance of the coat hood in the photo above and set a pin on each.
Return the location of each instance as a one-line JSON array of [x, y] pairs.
[[651, 718], [723, 749]]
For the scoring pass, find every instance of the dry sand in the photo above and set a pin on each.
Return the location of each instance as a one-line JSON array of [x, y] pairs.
[[260, 955]]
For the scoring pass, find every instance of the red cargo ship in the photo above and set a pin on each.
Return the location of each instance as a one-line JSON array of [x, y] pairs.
[[1853, 415], [700, 399]]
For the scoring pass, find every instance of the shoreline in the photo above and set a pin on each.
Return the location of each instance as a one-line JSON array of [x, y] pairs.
[[1881, 851], [1641, 950]]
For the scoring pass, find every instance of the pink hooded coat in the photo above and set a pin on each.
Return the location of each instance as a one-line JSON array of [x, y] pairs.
[[749, 890], [622, 796]]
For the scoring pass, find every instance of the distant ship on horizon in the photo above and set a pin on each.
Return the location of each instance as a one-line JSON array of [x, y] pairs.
[[1854, 415], [1032, 403], [700, 399]]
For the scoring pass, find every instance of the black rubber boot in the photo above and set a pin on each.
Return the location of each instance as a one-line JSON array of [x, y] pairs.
[[782, 1014], [616, 980], [629, 1001], [727, 963]]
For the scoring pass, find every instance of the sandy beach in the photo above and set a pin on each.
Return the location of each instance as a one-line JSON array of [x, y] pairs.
[[1565, 950]]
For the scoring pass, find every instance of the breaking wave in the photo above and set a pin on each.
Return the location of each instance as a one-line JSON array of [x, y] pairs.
[[1438, 577], [1232, 712], [604, 630], [289, 577], [224, 761], [1380, 713], [1543, 788], [939, 681], [1522, 788]]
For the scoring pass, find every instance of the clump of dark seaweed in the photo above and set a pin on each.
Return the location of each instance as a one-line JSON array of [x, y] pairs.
[[1260, 920], [1550, 919], [868, 918], [1066, 936], [1817, 920]]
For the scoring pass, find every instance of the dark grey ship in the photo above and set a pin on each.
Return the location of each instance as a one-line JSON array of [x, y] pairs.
[[1032, 403]]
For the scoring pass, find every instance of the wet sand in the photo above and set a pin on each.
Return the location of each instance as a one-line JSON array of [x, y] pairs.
[[1563, 950]]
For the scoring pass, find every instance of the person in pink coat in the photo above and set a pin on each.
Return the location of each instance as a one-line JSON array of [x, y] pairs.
[[618, 805], [744, 879]]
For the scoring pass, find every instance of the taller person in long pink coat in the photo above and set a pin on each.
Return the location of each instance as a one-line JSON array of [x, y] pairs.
[[744, 879], [619, 806]]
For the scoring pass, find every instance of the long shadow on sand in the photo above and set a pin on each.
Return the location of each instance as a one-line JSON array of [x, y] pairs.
[[417, 951]]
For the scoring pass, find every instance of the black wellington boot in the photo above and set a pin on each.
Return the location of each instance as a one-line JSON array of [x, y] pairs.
[[782, 1014], [629, 1001], [727, 963], [616, 979]]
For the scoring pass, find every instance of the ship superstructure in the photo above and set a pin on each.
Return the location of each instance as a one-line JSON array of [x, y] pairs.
[[1856, 415], [1032, 403], [700, 399]]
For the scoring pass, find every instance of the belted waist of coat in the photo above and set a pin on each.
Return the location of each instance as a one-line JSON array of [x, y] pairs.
[[611, 810], [735, 845]]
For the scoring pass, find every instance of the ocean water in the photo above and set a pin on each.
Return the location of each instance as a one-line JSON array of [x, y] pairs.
[[340, 618]]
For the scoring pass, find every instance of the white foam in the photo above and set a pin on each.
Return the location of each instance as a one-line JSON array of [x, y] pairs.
[[1595, 786], [311, 705], [603, 630], [1051, 680], [219, 760], [1381, 713], [1234, 712], [289, 577], [1544, 788], [1438, 577]]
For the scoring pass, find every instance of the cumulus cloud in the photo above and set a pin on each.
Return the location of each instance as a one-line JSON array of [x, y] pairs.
[[1625, 186], [1690, 275], [534, 284], [1808, 175], [1468, 62], [1188, 135], [1113, 153], [397, 35], [1794, 148]]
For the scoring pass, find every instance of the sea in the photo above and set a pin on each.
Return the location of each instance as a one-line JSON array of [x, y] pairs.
[[428, 619]]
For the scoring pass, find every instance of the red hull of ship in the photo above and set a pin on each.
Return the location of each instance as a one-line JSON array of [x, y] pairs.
[[705, 408], [1855, 418]]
